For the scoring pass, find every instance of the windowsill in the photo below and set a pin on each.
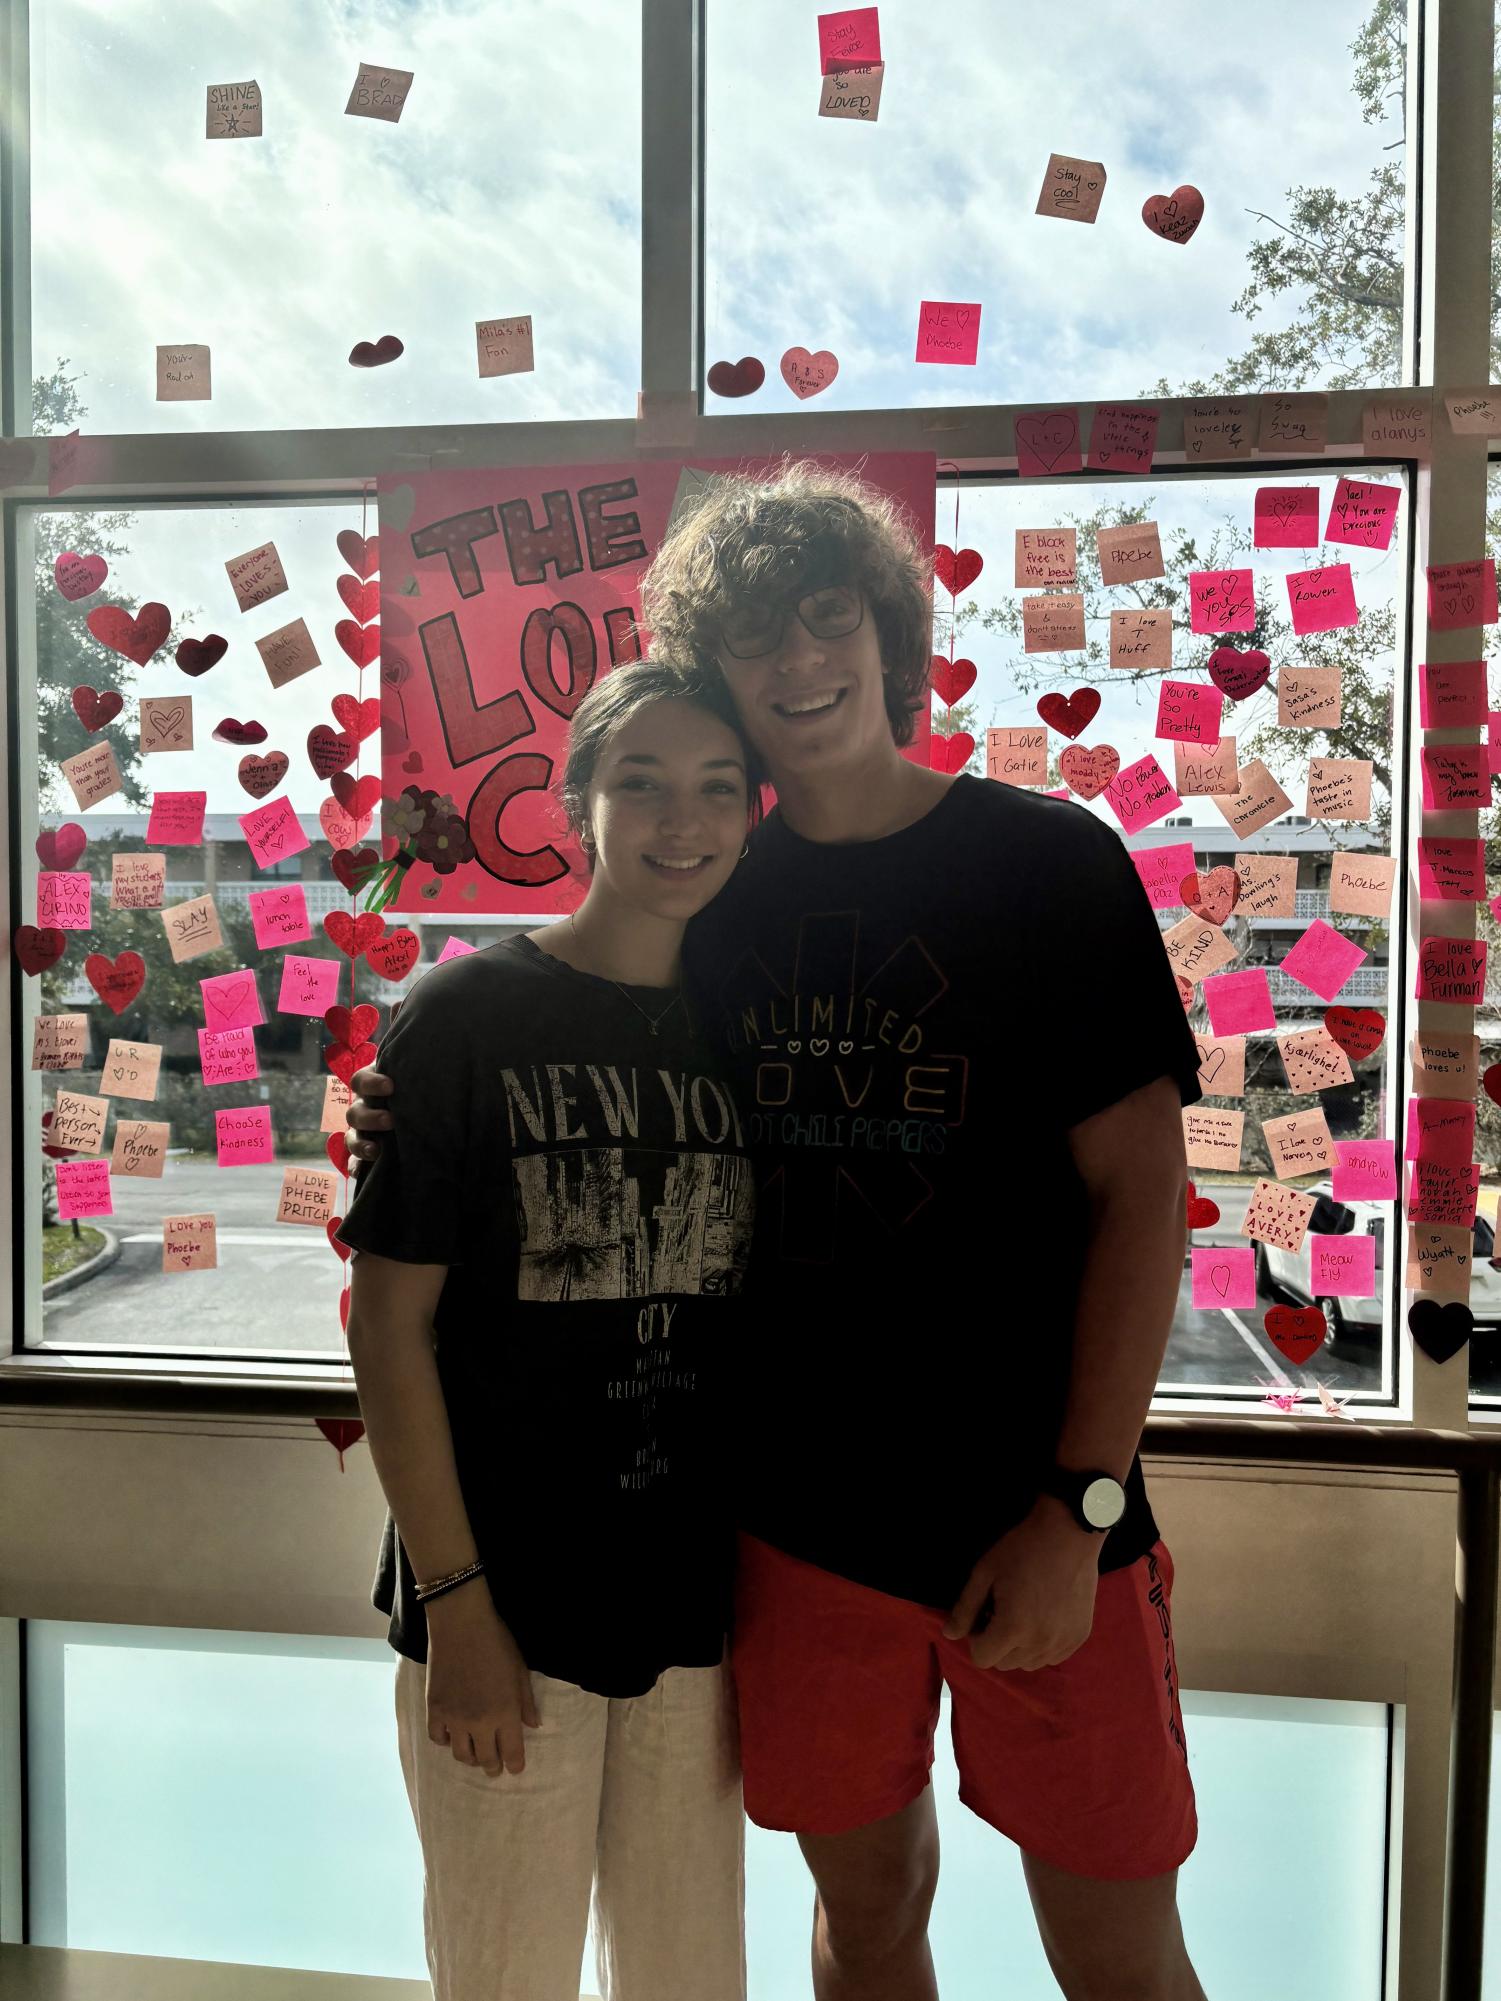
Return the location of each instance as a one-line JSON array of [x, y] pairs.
[[234, 1386]]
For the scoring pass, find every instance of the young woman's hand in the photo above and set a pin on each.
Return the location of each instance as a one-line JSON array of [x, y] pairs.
[[367, 1115], [479, 1689]]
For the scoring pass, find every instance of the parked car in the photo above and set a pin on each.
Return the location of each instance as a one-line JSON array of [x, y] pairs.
[[1354, 1325]]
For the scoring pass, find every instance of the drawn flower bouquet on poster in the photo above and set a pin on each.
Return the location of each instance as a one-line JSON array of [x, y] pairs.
[[505, 595]]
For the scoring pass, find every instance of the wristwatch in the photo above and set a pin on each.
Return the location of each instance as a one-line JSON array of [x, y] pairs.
[[1097, 1499]]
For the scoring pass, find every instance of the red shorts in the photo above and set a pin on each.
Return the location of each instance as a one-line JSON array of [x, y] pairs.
[[1083, 1765]]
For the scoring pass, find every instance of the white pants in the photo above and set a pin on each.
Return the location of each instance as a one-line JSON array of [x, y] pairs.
[[637, 1798]]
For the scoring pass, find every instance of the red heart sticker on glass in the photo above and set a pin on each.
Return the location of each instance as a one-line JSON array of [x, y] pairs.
[[333, 1226], [361, 601], [116, 981], [1211, 894], [1297, 1331], [951, 679], [329, 750], [395, 955], [360, 552], [1357, 1030], [1174, 217], [262, 775], [360, 642], [1238, 674], [196, 656], [37, 950], [950, 753], [356, 1024], [376, 353], [1201, 1211], [737, 378], [60, 847], [354, 935], [956, 568], [1071, 714], [79, 576], [356, 719], [1088, 772], [93, 709], [137, 638], [336, 1146]]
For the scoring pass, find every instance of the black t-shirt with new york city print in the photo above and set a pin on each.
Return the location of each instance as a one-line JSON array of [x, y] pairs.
[[586, 1182], [914, 1023]]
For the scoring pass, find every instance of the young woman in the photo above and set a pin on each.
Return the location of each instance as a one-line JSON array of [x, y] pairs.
[[549, 1255]]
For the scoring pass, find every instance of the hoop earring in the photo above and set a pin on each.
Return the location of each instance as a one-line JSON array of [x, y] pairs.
[[745, 851]]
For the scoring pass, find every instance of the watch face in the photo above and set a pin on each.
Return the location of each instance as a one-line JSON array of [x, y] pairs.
[[1104, 1502]]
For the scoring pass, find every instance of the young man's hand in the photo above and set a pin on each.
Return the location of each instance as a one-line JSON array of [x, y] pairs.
[[367, 1115], [1042, 1575]]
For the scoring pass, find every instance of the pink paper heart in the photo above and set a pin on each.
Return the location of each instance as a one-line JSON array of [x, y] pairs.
[[341, 829], [79, 576], [1087, 772], [808, 374]]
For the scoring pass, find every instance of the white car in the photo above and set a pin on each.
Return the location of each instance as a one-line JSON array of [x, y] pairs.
[[1356, 1323]]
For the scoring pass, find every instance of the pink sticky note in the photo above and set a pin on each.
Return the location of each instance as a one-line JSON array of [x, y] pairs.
[[1441, 1129], [1366, 1170], [1450, 871], [1323, 959], [1342, 1267], [65, 899], [1224, 1277], [1190, 711], [1461, 595], [1493, 737], [1239, 1003], [83, 1189], [1453, 970], [1162, 871], [274, 832], [176, 819], [308, 986], [244, 1136], [1455, 775], [457, 949], [1362, 513], [1221, 601], [1442, 1194], [1123, 437], [1140, 794], [1286, 517], [231, 1000], [947, 332], [1322, 600], [229, 1058], [1047, 441], [1453, 694], [280, 916], [849, 40]]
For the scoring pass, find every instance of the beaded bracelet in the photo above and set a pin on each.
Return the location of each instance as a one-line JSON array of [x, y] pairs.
[[449, 1583]]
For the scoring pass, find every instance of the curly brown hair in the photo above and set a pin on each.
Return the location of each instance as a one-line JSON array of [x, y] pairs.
[[746, 537]]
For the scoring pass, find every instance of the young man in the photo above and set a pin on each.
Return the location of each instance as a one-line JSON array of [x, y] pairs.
[[962, 1058]]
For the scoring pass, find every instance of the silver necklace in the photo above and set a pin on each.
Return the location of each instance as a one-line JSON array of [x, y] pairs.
[[652, 1021]]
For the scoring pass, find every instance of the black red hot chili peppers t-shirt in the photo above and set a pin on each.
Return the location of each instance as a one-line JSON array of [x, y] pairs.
[[914, 1023]]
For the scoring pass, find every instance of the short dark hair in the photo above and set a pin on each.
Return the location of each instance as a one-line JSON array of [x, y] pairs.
[[746, 537], [624, 693]]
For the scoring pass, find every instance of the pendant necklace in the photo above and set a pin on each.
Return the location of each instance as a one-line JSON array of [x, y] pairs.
[[652, 1020]]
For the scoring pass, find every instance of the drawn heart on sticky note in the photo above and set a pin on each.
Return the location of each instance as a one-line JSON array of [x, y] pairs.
[[1297, 1331], [60, 847], [1211, 894], [1088, 772], [950, 753], [1071, 714], [376, 353], [79, 576], [336, 1146], [394, 956], [361, 552], [340, 828], [333, 1226], [350, 862], [354, 935], [951, 679], [1174, 217], [1357, 1030], [356, 719], [344, 1058], [230, 999], [1238, 674], [352, 1024], [1219, 1278], [231, 730], [196, 656], [117, 981], [1048, 438], [37, 949], [93, 709], [1440, 1331], [362, 601], [329, 750], [358, 796], [137, 638], [737, 378], [262, 775], [955, 568], [808, 374], [1210, 1064], [1201, 1211], [360, 642], [168, 720]]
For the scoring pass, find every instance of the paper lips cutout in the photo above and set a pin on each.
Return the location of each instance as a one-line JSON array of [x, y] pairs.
[[196, 656], [951, 679], [375, 353], [737, 378], [1174, 217], [950, 753], [94, 709], [808, 374], [137, 638], [79, 576], [1071, 714], [1238, 674], [233, 731], [956, 568]]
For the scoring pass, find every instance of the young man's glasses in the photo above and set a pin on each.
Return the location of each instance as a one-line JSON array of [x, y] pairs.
[[750, 632]]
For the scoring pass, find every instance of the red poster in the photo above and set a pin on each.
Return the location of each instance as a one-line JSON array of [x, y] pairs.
[[504, 595]]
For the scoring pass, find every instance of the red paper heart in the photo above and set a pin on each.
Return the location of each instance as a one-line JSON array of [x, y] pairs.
[[1359, 1031], [357, 719], [737, 378], [376, 353], [1298, 1331], [348, 863], [1088, 772], [233, 731], [60, 847], [1174, 217], [950, 753], [360, 552], [343, 1059], [357, 796], [1211, 894], [1201, 1211], [362, 601], [196, 656], [1071, 714], [360, 642], [1491, 1083], [808, 374], [956, 568], [79, 576], [329, 750], [261, 775], [137, 638], [341, 830], [37, 950], [336, 1146], [1238, 674], [93, 709], [395, 955], [355, 1024], [116, 981], [344, 1298], [951, 679], [354, 935], [333, 1225]]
